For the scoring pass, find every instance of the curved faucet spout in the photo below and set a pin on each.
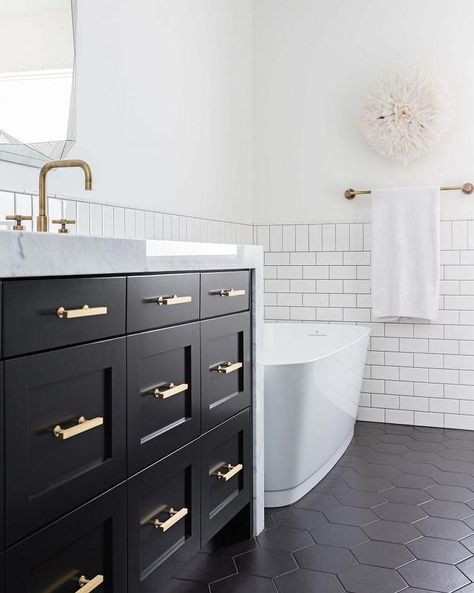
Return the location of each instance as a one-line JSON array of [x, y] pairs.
[[42, 220]]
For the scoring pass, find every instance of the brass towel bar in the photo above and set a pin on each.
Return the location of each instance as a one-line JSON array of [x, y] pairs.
[[467, 188]]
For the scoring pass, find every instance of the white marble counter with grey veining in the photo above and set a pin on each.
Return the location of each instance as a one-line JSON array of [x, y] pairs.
[[28, 255]]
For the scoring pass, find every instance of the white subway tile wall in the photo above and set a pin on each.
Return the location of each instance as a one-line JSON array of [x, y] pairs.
[[417, 372], [102, 220]]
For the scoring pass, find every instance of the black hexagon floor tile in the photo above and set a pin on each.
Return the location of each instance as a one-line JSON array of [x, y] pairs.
[[316, 501], [467, 567], [182, 586], [416, 468], [454, 493], [383, 554], [407, 495], [234, 549], [456, 455], [299, 518], [265, 563], [306, 581], [331, 485], [361, 498], [438, 550], [443, 528], [243, 583], [447, 509], [355, 516], [433, 576], [468, 542], [371, 579], [284, 538], [404, 513], [386, 519], [358, 482], [392, 531], [412, 481], [325, 558], [453, 479], [344, 536], [209, 567]]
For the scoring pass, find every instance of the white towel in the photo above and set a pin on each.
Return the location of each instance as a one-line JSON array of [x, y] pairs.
[[405, 252]]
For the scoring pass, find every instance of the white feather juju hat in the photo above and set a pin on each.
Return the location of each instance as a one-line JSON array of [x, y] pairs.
[[405, 115]]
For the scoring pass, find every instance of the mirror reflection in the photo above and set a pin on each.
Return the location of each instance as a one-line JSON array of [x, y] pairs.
[[36, 80]]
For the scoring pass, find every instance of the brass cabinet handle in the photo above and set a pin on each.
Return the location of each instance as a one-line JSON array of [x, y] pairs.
[[228, 367], [173, 299], [170, 390], [87, 585], [175, 517], [232, 470], [82, 425], [230, 292], [85, 311]]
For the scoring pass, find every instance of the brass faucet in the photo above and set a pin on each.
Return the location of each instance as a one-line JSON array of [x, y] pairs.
[[42, 220]]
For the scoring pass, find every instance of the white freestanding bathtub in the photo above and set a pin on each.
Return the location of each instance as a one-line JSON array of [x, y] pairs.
[[313, 377]]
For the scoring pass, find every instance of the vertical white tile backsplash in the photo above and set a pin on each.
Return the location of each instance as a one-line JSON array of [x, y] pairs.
[[417, 372], [119, 223]]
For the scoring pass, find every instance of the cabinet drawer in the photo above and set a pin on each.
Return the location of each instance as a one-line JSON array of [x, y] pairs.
[[45, 314], [226, 368], [164, 402], [89, 543], [151, 301], [225, 473], [224, 292], [53, 461], [160, 541]]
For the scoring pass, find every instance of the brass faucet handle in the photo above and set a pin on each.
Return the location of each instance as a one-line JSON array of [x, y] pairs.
[[18, 218], [64, 222]]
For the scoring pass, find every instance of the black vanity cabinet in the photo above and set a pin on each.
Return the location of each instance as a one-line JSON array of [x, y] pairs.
[[125, 428]]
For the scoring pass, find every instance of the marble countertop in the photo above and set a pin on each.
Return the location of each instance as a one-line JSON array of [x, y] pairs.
[[44, 254]]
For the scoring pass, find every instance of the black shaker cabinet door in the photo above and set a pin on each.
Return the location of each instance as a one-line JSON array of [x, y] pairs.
[[163, 393], [162, 300], [225, 473], [223, 293], [163, 529], [226, 368], [65, 431], [45, 314], [87, 547]]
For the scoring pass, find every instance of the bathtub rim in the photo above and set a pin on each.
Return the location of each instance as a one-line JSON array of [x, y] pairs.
[[365, 334]]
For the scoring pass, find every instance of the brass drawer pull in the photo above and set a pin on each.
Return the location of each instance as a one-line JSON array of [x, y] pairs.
[[175, 517], [85, 311], [232, 470], [173, 300], [230, 292], [171, 390], [82, 425], [229, 367], [87, 585]]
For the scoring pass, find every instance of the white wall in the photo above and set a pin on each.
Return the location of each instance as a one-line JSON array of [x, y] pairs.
[[314, 60], [164, 107]]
